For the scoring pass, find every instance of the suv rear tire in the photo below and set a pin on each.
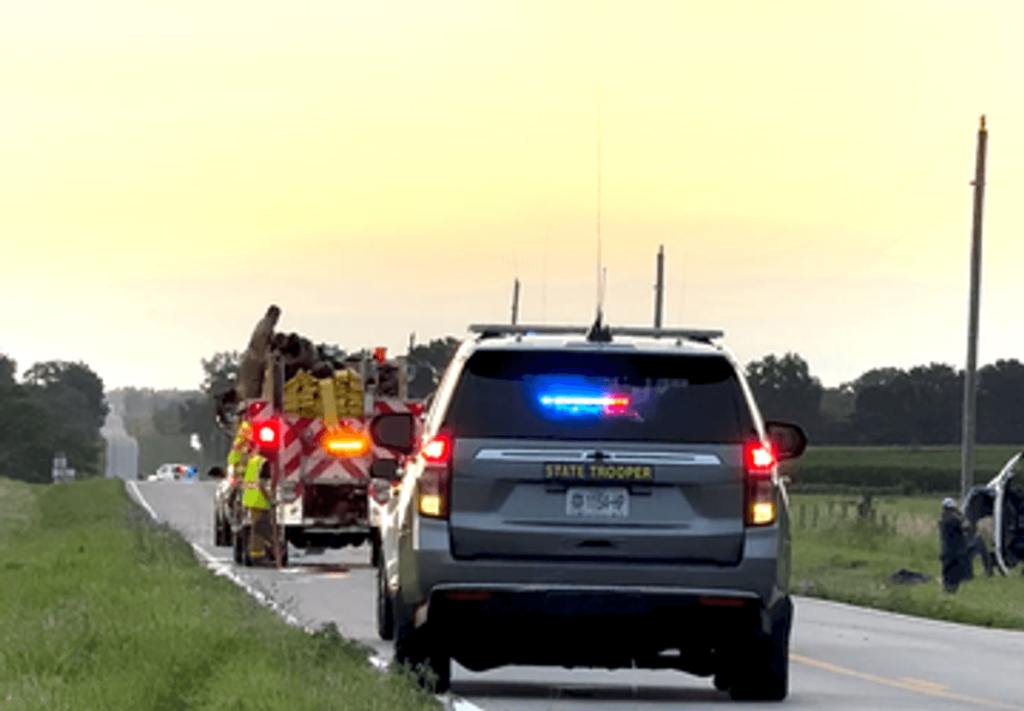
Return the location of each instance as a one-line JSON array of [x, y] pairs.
[[420, 651], [385, 609], [766, 674]]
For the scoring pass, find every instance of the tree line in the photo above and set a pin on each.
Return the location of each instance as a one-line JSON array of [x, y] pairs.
[[919, 406], [884, 406], [56, 407]]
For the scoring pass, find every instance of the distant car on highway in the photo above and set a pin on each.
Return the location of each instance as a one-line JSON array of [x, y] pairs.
[[593, 497], [171, 472]]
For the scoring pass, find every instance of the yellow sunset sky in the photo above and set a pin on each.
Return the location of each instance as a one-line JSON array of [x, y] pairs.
[[167, 169]]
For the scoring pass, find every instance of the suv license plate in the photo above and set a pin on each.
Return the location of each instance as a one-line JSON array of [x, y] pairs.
[[600, 502]]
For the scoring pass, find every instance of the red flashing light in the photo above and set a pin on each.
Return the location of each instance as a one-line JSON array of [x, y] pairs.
[[438, 449], [759, 458], [760, 505], [268, 434], [380, 354], [617, 405], [436, 480]]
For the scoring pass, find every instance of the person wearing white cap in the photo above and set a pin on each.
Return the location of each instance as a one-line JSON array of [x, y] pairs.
[[958, 544]]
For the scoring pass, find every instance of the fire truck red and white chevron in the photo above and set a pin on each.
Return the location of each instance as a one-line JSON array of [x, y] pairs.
[[302, 457]]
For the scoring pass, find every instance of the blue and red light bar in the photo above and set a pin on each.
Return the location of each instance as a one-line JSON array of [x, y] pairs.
[[579, 404]]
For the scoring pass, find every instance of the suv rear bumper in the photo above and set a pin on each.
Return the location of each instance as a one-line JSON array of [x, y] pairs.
[[488, 627], [761, 574]]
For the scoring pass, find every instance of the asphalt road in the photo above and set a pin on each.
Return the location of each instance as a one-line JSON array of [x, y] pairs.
[[842, 657], [122, 449]]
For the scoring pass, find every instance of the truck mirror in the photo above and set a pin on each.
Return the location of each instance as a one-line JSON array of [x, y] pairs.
[[215, 473], [788, 440], [386, 469], [395, 431]]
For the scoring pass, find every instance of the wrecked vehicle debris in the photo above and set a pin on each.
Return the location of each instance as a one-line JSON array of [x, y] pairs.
[[1002, 499]]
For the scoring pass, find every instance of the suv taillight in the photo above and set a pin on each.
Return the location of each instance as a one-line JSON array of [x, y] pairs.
[[435, 481], [760, 504]]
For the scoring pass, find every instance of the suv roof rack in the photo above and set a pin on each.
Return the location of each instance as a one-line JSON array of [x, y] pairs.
[[495, 330]]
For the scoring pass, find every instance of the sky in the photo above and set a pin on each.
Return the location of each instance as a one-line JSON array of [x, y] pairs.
[[168, 169]]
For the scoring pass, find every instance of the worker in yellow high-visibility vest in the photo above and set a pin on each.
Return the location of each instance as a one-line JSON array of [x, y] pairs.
[[256, 500], [239, 448]]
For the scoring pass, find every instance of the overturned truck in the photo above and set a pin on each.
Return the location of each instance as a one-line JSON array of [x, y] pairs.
[[1002, 499], [305, 409]]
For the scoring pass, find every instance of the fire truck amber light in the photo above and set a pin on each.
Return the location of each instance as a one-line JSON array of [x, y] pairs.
[[762, 513], [430, 504], [345, 443]]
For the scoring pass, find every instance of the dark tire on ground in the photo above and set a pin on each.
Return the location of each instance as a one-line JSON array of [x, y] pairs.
[[221, 531], [766, 674], [722, 681], [375, 548], [243, 537], [385, 610], [236, 544], [421, 652]]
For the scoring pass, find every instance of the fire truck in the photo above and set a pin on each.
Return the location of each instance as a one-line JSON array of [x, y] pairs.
[[309, 416]]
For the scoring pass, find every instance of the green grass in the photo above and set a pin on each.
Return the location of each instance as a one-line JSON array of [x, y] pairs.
[[101, 609], [847, 558]]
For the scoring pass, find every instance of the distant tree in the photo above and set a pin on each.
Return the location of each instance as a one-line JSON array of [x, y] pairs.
[[58, 408], [437, 352], [785, 390], [429, 362], [220, 372], [25, 449], [837, 407], [881, 416], [919, 406], [7, 370], [936, 391], [881, 377], [76, 378], [1001, 403]]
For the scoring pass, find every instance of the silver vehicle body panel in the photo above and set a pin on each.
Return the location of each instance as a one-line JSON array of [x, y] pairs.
[[424, 555], [999, 484]]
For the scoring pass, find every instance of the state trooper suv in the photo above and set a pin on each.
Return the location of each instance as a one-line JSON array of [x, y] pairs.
[[595, 497]]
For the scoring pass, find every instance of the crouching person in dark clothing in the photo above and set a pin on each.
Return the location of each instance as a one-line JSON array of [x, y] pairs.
[[958, 545]]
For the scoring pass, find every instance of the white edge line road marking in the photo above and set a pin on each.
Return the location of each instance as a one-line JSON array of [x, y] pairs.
[[225, 570], [137, 495]]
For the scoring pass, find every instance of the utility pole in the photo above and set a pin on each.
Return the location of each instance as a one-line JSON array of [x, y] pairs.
[[659, 286], [970, 375], [515, 303]]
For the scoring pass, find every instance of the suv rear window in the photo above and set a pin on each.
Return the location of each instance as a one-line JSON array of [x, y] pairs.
[[566, 395]]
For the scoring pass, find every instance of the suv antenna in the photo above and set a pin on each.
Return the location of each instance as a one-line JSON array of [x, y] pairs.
[[515, 302], [599, 333], [600, 285]]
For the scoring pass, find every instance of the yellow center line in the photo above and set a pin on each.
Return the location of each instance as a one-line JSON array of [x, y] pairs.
[[924, 683], [920, 686]]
